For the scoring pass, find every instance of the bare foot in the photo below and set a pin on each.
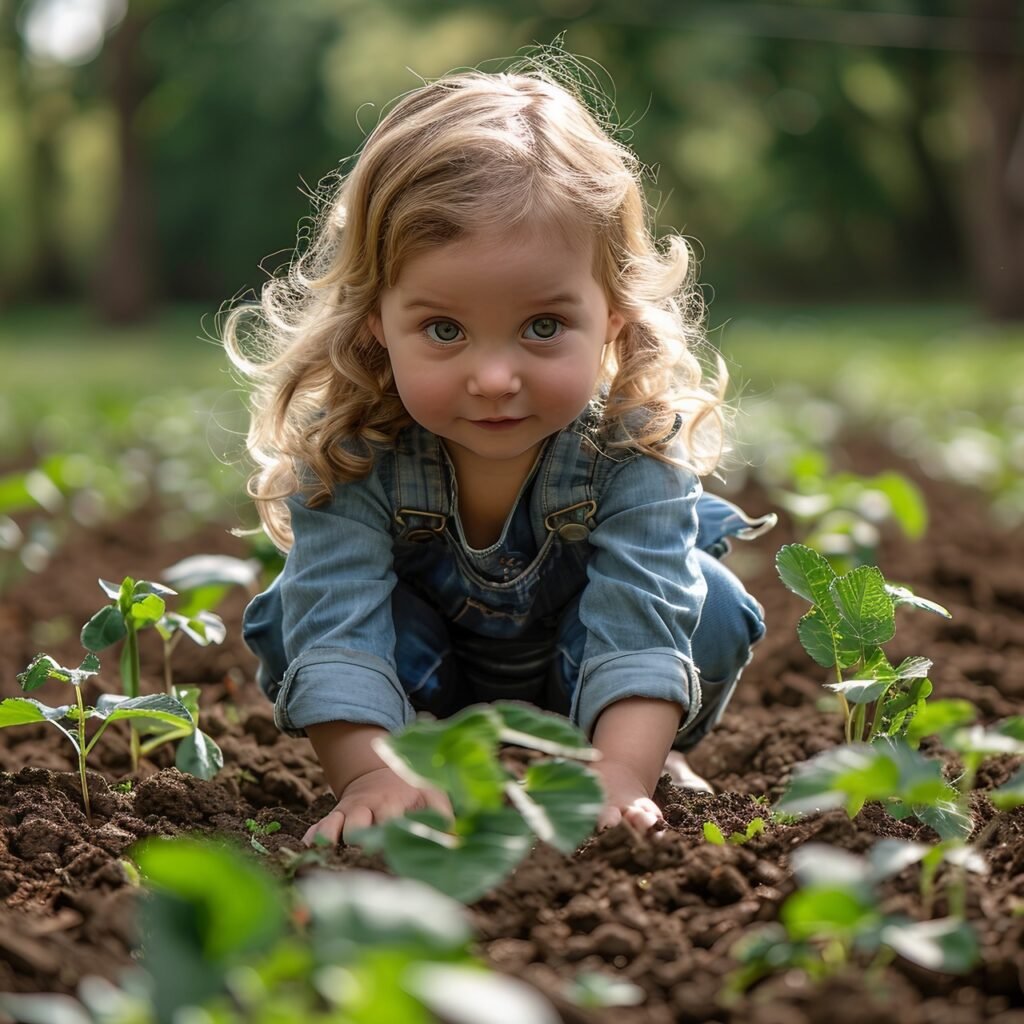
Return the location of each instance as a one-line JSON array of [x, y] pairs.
[[683, 775]]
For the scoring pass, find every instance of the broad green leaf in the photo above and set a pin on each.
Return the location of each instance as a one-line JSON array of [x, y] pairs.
[[160, 706], [754, 828], [919, 778], [112, 590], [541, 730], [823, 912], [458, 755], [560, 801], [940, 716], [359, 910], [860, 691], [823, 865], [890, 856], [947, 944], [1012, 727], [899, 709], [913, 668], [907, 502], [1009, 795], [976, 739], [25, 711], [205, 570], [805, 572], [147, 610], [464, 866], [946, 818], [199, 755], [593, 990], [905, 596], [203, 628], [866, 609], [713, 834], [142, 588], [43, 667], [44, 1009], [233, 905], [843, 776], [817, 638], [465, 994], [106, 627]]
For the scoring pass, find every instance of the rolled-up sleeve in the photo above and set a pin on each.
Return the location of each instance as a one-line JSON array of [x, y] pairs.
[[644, 593], [334, 605]]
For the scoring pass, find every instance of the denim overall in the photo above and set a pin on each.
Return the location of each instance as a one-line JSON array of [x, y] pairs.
[[605, 583]]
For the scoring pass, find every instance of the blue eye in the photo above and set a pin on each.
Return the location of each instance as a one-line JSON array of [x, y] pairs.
[[446, 331], [545, 328]]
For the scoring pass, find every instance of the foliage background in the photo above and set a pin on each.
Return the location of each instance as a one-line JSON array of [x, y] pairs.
[[156, 151]]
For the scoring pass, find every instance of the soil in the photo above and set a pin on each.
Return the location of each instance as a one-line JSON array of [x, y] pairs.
[[663, 914]]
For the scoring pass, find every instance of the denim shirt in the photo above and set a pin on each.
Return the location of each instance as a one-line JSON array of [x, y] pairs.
[[612, 525]]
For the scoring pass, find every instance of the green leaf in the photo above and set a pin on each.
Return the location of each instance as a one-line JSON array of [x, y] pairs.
[[358, 910], [142, 588], [754, 828], [899, 709], [905, 596], [464, 866], [541, 730], [199, 755], [106, 627], [147, 610], [948, 944], [818, 639], [25, 711], [208, 905], [820, 865], [1009, 795], [160, 706], [44, 1009], [1012, 727], [890, 856], [976, 739], [947, 818], [940, 716], [907, 502], [805, 572], [560, 801], [43, 667], [593, 990], [824, 912], [866, 609], [843, 776], [203, 628], [112, 590], [458, 755], [860, 691], [913, 668], [713, 834]]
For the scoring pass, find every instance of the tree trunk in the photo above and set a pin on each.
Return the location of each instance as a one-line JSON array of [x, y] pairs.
[[995, 185], [124, 285]]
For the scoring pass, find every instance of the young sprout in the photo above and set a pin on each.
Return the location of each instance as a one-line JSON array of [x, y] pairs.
[[851, 617], [261, 830], [497, 816], [109, 708], [714, 835]]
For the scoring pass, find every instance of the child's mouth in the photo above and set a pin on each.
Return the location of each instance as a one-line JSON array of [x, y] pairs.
[[503, 423]]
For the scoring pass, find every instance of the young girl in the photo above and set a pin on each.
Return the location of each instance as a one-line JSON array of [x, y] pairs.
[[479, 427]]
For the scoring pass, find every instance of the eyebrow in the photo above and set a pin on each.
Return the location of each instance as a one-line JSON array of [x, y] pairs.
[[562, 299]]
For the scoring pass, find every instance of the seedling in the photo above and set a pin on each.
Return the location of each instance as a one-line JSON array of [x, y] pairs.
[[136, 605], [851, 617], [557, 801], [223, 940], [71, 718], [261, 830], [834, 915], [714, 835]]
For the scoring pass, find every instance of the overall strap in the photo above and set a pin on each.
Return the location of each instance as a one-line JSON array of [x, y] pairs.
[[567, 485], [423, 500]]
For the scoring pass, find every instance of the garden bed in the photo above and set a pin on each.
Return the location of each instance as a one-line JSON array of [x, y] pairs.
[[663, 913]]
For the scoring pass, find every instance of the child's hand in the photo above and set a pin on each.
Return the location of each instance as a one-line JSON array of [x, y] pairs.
[[626, 797], [372, 799]]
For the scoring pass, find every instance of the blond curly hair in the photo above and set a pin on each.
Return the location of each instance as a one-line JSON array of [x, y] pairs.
[[466, 152]]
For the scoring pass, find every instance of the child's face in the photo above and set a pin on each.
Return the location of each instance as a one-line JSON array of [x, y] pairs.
[[496, 340]]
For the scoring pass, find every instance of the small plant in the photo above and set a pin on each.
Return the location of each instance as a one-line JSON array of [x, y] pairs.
[[223, 941], [714, 835], [137, 605], [834, 915], [851, 617], [557, 801], [71, 718], [256, 829]]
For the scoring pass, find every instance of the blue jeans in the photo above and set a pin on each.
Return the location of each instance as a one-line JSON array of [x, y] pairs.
[[444, 669]]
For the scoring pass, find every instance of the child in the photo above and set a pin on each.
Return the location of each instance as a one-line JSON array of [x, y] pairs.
[[479, 427]]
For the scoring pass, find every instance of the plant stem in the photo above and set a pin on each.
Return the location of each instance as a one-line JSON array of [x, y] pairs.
[[131, 684], [169, 646], [82, 751], [858, 722], [158, 741]]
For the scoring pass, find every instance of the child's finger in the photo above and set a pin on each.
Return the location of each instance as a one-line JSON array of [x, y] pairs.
[[329, 827], [359, 817], [610, 817]]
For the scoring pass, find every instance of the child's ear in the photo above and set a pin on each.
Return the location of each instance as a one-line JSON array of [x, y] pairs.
[[373, 321], [616, 321]]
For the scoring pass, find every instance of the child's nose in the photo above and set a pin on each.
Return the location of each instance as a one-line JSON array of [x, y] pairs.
[[494, 376]]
